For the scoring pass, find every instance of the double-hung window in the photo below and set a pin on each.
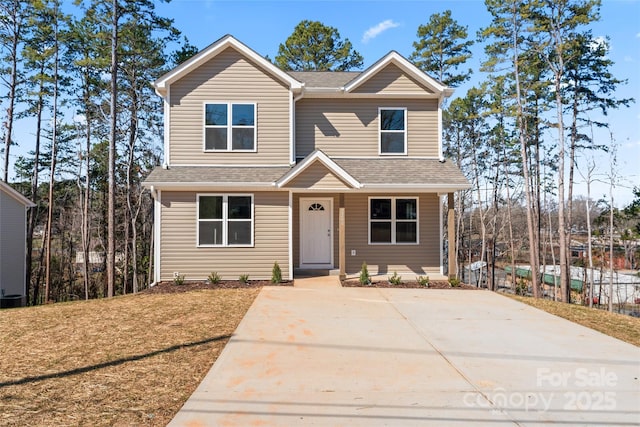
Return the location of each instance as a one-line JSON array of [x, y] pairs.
[[393, 220], [225, 220], [393, 130], [229, 127]]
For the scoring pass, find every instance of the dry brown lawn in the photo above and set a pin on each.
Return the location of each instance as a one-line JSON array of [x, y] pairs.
[[131, 360], [620, 326]]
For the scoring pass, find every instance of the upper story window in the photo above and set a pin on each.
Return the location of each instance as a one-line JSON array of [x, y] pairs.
[[393, 130], [229, 127]]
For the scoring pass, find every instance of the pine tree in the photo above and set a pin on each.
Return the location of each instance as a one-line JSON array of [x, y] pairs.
[[442, 49], [314, 46]]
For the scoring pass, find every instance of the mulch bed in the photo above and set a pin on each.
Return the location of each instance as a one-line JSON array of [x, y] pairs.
[[436, 284], [172, 288]]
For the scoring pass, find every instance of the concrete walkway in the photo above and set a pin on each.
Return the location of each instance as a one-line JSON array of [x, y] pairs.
[[396, 357], [318, 282]]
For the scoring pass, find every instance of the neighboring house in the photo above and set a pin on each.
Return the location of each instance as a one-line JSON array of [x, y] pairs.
[[314, 170], [13, 246], [96, 261]]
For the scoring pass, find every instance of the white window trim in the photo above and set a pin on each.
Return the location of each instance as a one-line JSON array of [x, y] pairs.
[[405, 131], [229, 126], [225, 219], [393, 221]]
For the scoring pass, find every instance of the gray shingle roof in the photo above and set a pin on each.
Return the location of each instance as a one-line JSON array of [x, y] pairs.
[[218, 174], [324, 79], [430, 172]]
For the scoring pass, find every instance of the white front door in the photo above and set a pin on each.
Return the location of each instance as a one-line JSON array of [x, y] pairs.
[[316, 233]]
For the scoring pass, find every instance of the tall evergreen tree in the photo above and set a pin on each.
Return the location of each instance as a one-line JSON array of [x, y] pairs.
[[442, 49], [314, 46], [556, 22], [13, 14], [508, 40]]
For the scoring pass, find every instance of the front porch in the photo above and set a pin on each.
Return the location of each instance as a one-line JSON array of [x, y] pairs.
[[331, 235], [387, 213]]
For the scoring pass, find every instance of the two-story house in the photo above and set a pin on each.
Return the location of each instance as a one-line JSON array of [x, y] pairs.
[[314, 170]]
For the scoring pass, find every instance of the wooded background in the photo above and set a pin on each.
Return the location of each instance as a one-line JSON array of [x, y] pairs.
[[82, 79]]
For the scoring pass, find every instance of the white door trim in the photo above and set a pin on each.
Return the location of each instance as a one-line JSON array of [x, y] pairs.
[[329, 201]]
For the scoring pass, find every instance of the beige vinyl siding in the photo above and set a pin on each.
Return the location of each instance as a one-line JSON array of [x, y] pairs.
[[392, 80], [180, 253], [12, 245], [423, 258], [229, 77], [317, 177], [296, 225], [349, 127]]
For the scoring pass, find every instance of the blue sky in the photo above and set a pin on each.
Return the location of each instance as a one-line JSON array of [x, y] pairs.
[[377, 27]]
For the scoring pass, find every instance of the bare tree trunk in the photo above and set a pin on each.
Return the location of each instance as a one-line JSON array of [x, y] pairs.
[[612, 185], [510, 222], [15, 19], [126, 256], [132, 216], [86, 246], [111, 235], [54, 137], [553, 258], [590, 168], [531, 205], [481, 216], [565, 284], [32, 214]]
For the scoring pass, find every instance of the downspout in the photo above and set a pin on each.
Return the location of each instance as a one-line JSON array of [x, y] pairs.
[[155, 194], [294, 99], [440, 130]]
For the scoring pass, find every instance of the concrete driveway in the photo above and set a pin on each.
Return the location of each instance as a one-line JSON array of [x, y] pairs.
[[368, 357]]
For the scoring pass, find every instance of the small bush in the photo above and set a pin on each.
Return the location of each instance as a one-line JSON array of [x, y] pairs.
[[395, 279], [276, 273], [454, 282], [244, 278], [365, 278], [521, 287], [178, 279], [214, 278], [423, 280]]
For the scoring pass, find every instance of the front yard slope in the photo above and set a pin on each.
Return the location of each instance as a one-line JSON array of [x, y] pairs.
[[131, 360], [620, 326]]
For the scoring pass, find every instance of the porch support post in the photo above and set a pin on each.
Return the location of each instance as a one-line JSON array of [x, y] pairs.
[[342, 257], [451, 229]]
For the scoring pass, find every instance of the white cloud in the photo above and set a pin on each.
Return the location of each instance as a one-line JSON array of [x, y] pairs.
[[638, 36], [628, 58], [375, 31]]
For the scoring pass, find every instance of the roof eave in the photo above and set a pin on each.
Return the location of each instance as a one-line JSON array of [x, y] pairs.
[[14, 194], [211, 52], [406, 65], [444, 188], [168, 185], [321, 157]]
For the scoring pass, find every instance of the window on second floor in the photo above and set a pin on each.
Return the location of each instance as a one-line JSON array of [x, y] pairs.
[[229, 127], [393, 130]]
